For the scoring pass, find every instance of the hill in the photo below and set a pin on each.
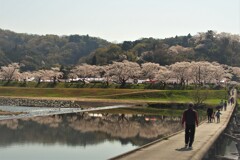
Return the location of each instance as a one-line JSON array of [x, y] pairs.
[[223, 48], [35, 51]]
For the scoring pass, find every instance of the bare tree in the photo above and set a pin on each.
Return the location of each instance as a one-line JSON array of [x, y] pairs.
[[199, 96]]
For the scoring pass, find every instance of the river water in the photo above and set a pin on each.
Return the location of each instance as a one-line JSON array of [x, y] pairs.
[[84, 135]]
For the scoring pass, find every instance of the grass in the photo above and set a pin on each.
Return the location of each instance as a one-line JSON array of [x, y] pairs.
[[165, 96], [61, 92]]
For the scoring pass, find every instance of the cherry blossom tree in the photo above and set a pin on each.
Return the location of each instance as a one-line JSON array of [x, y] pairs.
[[217, 72], [48, 75], [10, 72], [205, 72], [179, 50], [180, 71], [54, 74], [72, 76], [200, 71], [39, 75], [123, 71], [236, 71], [163, 75], [25, 76], [83, 71], [149, 70]]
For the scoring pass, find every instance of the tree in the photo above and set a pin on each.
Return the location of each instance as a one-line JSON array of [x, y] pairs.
[[217, 72], [123, 71], [180, 71], [10, 72], [54, 74], [200, 72], [83, 71], [199, 96], [25, 76], [163, 75], [236, 72], [126, 45], [149, 70]]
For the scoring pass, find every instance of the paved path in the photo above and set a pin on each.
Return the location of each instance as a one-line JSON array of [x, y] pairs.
[[173, 147]]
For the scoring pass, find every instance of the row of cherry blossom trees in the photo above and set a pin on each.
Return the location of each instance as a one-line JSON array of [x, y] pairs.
[[182, 73]]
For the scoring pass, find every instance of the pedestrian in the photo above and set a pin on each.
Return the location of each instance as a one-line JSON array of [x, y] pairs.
[[213, 117], [209, 114], [229, 101], [190, 119], [221, 104], [232, 100], [225, 105], [218, 113]]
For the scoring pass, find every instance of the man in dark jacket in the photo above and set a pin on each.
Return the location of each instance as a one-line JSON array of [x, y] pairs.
[[190, 119], [209, 114]]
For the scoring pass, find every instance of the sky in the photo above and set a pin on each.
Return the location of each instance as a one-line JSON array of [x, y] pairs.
[[120, 20]]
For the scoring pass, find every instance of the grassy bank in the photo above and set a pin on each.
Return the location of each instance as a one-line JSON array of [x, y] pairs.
[[177, 96], [63, 92]]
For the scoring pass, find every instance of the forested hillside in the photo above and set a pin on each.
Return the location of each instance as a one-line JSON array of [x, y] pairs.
[[210, 46], [36, 52]]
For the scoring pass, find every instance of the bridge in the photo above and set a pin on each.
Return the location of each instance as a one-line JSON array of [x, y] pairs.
[[58, 111], [172, 147]]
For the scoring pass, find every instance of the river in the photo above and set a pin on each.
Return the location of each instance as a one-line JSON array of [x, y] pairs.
[[83, 135]]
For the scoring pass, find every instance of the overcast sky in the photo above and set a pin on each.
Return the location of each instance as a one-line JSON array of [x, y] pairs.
[[119, 20]]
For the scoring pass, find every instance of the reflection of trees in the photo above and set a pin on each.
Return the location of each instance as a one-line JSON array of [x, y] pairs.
[[84, 129]]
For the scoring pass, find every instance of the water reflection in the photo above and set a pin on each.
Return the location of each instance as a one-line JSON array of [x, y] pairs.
[[83, 129], [86, 130]]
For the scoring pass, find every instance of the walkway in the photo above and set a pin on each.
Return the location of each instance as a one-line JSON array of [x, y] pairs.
[[172, 148], [56, 111]]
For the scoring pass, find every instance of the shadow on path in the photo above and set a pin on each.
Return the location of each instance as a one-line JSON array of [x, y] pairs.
[[183, 149]]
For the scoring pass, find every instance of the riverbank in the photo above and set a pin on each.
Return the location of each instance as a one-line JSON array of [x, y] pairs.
[[112, 95], [54, 102]]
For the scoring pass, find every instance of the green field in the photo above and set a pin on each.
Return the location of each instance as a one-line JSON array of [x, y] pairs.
[[168, 96]]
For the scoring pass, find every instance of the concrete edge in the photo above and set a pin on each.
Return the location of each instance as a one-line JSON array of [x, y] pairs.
[[148, 144], [203, 151]]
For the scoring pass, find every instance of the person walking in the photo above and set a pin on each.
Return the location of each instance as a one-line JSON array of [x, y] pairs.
[[232, 100], [221, 104], [209, 114], [190, 119], [218, 113], [225, 105], [213, 117]]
